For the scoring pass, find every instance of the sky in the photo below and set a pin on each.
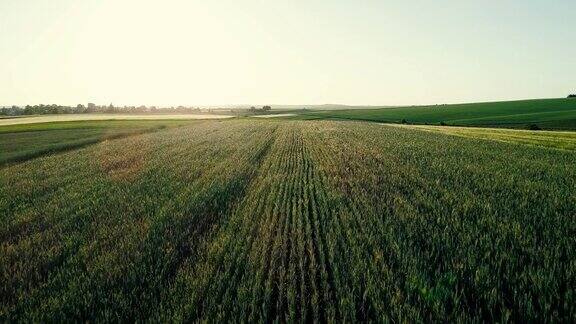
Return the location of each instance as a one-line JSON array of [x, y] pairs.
[[212, 52]]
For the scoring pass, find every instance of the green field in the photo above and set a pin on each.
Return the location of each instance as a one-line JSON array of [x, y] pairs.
[[563, 140], [545, 113], [26, 141], [270, 220]]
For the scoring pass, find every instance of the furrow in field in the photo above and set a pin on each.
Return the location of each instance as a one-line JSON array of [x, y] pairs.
[[299, 289], [239, 238], [263, 264], [281, 280], [272, 284], [339, 252], [309, 294], [358, 229], [335, 232], [323, 301], [264, 258], [230, 254], [366, 217]]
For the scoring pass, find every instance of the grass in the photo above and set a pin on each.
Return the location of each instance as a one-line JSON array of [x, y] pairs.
[[25, 141], [563, 140], [546, 113], [268, 220]]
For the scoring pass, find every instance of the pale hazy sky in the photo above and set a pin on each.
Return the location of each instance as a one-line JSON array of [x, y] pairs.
[[175, 52]]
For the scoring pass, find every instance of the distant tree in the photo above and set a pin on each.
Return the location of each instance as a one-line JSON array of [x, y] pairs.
[[572, 96], [442, 123], [533, 127], [404, 121], [253, 109], [266, 108], [11, 111], [80, 109]]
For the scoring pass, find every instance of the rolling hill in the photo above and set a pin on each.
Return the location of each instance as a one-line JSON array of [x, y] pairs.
[[545, 113]]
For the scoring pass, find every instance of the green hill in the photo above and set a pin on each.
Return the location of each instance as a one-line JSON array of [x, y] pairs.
[[545, 113]]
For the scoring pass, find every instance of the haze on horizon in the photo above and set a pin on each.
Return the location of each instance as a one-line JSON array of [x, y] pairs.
[[176, 52]]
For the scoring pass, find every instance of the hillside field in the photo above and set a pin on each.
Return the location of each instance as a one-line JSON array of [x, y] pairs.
[[271, 220], [545, 113]]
